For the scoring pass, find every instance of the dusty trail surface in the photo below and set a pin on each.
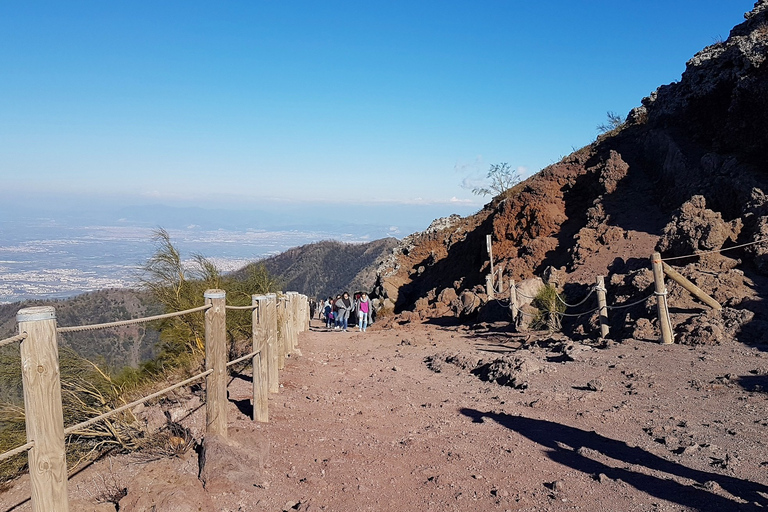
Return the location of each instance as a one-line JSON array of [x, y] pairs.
[[394, 419]]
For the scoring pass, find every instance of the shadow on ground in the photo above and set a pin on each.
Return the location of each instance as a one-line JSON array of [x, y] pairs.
[[564, 445]]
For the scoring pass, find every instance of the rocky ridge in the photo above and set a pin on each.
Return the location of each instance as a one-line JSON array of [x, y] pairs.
[[684, 173]]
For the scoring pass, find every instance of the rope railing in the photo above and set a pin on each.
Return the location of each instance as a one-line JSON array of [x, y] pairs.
[[659, 268], [16, 451], [693, 255], [120, 323], [623, 306], [592, 290], [74, 428], [13, 339], [273, 340], [242, 308], [243, 358]]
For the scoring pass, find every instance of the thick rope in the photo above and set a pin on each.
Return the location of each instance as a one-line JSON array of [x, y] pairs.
[[8, 341], [591, 291], [74, 428], [242, 308], [576, 315], [243, 358], [764, 240], [21, 449], [523, 295], [77, 328], [622, 306]]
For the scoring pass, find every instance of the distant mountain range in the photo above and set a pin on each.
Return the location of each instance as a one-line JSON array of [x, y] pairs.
[[327, 268], [317, 270]]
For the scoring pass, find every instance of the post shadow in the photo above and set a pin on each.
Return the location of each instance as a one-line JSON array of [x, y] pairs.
[[553, 436], [244, 406]]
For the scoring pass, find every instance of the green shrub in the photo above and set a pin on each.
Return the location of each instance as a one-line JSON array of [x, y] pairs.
[[549, 309], [179, 287]]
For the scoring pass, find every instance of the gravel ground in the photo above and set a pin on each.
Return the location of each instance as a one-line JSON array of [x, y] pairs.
[[446, 418]]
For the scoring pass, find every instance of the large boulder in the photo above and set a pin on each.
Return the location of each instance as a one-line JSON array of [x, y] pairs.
[[228, 466], [167, 485]]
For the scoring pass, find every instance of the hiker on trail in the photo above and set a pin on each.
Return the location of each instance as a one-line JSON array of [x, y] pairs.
[[312, 307], [328, 311], [363, 309], [344, 306], [336, 319]]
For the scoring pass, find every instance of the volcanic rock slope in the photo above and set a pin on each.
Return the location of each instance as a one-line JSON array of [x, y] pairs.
[[686, 172]]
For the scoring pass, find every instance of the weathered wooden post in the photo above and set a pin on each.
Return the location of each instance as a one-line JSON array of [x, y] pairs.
[[272, 350], [500, 278], [305, 318], [489, 248], [43, 409], [661, 299], [260, 370], [216, 359], [692, 288], [298, 322], [282, 315], [603, 305], [293, 321], [513, 301], [489, 287]]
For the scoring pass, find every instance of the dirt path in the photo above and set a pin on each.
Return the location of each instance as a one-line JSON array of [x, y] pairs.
[[363, 423]]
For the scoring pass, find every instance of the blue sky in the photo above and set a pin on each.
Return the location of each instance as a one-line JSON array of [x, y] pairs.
[[240, 104]]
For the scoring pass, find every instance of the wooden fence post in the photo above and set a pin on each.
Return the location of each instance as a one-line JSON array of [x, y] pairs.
[[661, 299], [305, 318], [297, 320], [43, 409], [260, 369], [282, 315], [513, 301], [603, 305], [692, 288], [216, 359], [292, 321], [489, 287], [272, 374]]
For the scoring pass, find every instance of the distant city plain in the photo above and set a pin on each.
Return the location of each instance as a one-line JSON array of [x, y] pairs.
[[59, 255], [62, 262]]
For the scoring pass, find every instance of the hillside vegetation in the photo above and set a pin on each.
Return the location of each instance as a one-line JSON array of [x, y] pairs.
[[117, 347], [326, 268]]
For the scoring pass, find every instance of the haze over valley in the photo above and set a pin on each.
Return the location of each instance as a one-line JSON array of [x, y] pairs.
[[48, 254]]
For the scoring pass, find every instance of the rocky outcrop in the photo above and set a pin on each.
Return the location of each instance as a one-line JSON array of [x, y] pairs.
[[166, 485], [695, 228], [685, 173], [227, 466]]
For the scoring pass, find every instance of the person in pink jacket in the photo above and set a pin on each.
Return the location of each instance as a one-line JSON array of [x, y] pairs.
[[363, 311]]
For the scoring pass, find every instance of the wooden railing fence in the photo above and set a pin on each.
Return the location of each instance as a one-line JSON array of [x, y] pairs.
[[277, 322], [495, 286]]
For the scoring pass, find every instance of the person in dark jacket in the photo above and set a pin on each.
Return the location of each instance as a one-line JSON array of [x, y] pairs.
[[344, 306], [328, 311]]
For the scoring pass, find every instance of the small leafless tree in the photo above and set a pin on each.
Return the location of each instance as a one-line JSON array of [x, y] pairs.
[[614, 121], [500, 178]]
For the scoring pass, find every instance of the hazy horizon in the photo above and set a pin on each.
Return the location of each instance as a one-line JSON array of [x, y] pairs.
[[65, 250]]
